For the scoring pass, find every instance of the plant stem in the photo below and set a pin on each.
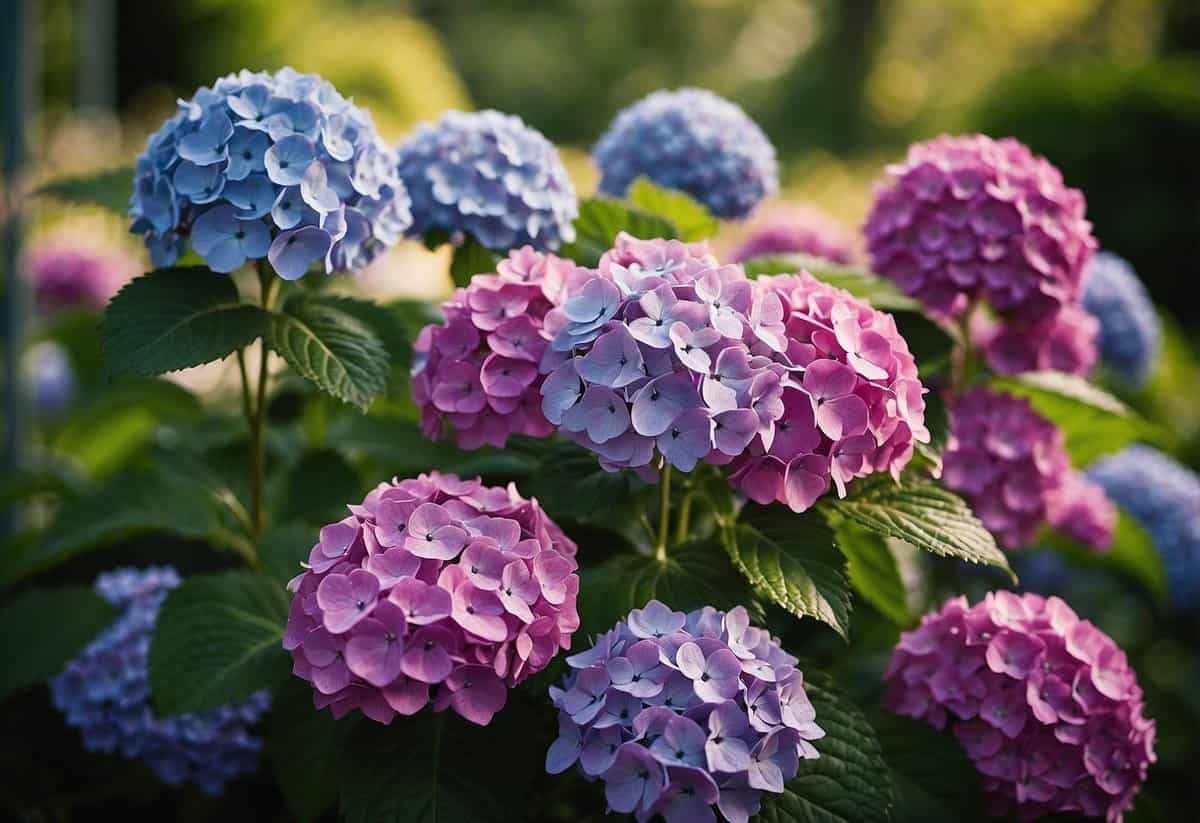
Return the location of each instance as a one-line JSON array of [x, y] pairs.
[[682, 523], [965, 372], [664, 514], [257, 419]]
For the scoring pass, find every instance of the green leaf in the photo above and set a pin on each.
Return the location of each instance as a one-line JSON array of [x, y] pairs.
[[283, 548], [790, 559], [331, 348], [691, 219], [922, 513], [570, 484], [933, 779], [385, 322], [438, 768], [1093, 422], [218, 639], [305, 747], [42, 629], [319, 487], [470, 259], [849, 782], [693, 575], [601, 219], [1133, 554], [175, 318], [110, 189], [873, 571]]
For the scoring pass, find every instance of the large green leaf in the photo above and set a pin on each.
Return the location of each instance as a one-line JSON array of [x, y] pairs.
[[218, 639], [691, 219], [934, 781], [41, 629], [570, 484], [471, 258], [848, 782], [1132, 554], [1093, 422], [601, 219], [283, 548], [319, 487], [693, 575], [305, 746], [387, 322], [790, 559], [922, 513], [873, 571], [110, 189], [174, 318], [332, 348]]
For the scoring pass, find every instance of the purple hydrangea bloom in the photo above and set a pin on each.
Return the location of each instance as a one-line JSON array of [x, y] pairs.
[[434, 590], [104, 694], [277, 166], [694, 141], [1163, 496], [1010, 464], [1130, 332], [66, 274], [677, 713], [1043, 703], [488, 175], [796, 228], [1063, 341]]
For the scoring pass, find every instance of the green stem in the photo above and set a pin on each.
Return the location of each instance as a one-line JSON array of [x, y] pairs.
[[664, 514], [967, 365], [683, 523], [258, 417]]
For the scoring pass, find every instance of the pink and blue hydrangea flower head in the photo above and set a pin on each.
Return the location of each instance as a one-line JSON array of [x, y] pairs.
[[477, 374], [269, 166], [1130, 331], [1163, 496], [693, 141], [1012, 467], [105, 695], [1044, 704], [433, 591], [489, 176], [795, 228], [679, 713]]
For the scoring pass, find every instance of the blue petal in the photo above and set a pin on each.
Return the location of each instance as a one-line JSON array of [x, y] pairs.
[[293, 252], [287, 160], [253, 197]]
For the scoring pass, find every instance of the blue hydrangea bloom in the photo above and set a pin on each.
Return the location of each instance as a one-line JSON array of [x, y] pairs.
[[694, 141], [104, 693], [277, 166], [1130, 333], [489, 175], [1164, 498], [51, 378]]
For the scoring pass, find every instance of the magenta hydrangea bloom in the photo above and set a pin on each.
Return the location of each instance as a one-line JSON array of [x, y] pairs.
[[1043, 703], [677, 713], [796, 228], [852, 402], [1010, 464], [433, 590], [1065, 341], [478, 373], [66, 275]]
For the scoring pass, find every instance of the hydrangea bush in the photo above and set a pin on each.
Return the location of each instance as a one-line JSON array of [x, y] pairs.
[[1130, 332], [677, 712]]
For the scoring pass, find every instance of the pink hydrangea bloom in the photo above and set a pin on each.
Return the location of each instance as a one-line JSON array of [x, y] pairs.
[[852, 402], [1010, 464], [796, 229], [1043, 703], [478, 373], [68, 275], [1064, 341], [433, 590], [968, 219]]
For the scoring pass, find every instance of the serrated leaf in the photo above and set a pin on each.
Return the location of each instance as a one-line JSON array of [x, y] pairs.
[[693, 575], [849, 782], [305, 747], [386, 322], [218, 639], [922, 513], [172, 319], [873, 571], [471, 258], [332, 349], [110, 189], [42, 629], [690, 218], [932, 777], [790, 559], [601, 219], [1133, 554]]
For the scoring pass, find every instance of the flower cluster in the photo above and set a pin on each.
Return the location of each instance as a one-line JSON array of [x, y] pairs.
[[796, 229], [1011, 465], [1043, 703], [67, 275], [1164, 498], [51, 377], [1129, 327], [279, 166], [490, 176], [479, 371], [1064, 341], [677, 713], [694, 141], [852, 403], [104, 693], [434, 589]]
